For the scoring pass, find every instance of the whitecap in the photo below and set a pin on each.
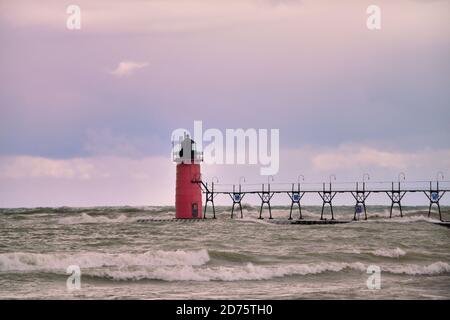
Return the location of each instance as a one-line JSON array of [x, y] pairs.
[[389, 253]]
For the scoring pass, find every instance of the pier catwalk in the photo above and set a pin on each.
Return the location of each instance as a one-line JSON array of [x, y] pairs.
[[433, 192]]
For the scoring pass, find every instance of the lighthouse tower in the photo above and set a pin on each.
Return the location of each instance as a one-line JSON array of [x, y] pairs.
[[188, 195]]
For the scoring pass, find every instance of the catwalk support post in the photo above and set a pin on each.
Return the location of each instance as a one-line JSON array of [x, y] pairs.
[[360, 197], [296, 196]]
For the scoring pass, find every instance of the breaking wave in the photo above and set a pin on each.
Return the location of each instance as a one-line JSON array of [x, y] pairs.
[[186, 266], [226, 273], [85, 218], [389, 253], [22, 261], [413, 269], [250, 271], [407, 219]]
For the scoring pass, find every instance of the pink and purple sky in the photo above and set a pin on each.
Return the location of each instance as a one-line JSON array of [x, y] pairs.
[[86, 115]]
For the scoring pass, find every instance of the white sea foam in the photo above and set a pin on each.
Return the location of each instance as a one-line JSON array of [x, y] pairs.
[[407, 219], [22, 261], [186, 266], [86, 218], [351, 250], [389, 253], [413, 269], [247, 219], [398, 219], [226, 273], [253, 272], [253, 219]]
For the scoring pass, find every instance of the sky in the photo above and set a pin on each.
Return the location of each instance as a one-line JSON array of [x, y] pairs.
[[86, 115]]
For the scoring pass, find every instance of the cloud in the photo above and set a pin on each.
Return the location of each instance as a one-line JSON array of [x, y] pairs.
[[104, 142], [348, 157], [117, 180], [315, 162], [347, 162], [40, 167], [161, 16], [126, 68], [90, 181]]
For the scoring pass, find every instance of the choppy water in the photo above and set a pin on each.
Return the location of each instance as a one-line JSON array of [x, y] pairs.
[[223, 258]]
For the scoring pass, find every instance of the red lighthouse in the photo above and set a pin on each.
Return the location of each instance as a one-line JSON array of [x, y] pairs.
[[188, 195]]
